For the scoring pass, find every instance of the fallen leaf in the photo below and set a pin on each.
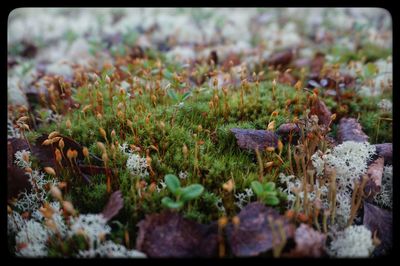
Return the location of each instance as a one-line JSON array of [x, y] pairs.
[[380, 220], [136, 52], [385, 150], [16, 144], [114, 205], [29, 49], [253, 236], [374, 183], [301, 62], [17, 179], [46, 157], [287, 78], [350, 129], [281, 59], [170, 235], [285, 129], [309, 243], [213, 57], [252, 139], [231, 60], [324, 114], [45, 154], [317, 64]]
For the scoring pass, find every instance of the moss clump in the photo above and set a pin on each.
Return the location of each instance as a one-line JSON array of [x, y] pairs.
[[182, 128], [90, 198]]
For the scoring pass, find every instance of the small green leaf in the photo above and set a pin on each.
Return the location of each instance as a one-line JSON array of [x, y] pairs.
[[192, 192], [167, 74], [270, 186], [270, 193], [145, 64], [370, 70], [172, 183], [257, 188], [272, 200], [169, 203], [172, 94], [186, 95]]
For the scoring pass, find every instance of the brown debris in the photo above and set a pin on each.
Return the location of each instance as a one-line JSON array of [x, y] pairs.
[[17, 179], [285, 129], [287, 78], [281, 59], [230, 61], [213, 57], [309, 243], [374, 183], [317, 64], [252, 139], [324, 114], [350, 129], [379, 220], [170, 235], [253, 236], [114, 205], [385, 150]]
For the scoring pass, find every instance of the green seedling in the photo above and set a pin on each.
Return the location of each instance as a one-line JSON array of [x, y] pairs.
[[178, 98], [182, 194], [266, 192]]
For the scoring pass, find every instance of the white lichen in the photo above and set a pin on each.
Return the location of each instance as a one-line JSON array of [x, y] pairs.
[[220, 206], [15, 222], [33, 199], [12, 131], [31, 240], [354, 242], [93, 226], [183, 175], [137, 165], [22, 159], [385, 197], [243, 198], [110, 249], [385, 105], [349, 161], [161, 186]]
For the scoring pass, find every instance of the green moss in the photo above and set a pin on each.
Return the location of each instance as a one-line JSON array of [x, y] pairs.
[[90, 198], [161, 130]]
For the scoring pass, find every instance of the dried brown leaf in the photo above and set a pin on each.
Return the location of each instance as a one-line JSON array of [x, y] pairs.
[[255, 139], [213, 57], [231, 60], [385, 150], [287, 78], [17, 180], [317, 64], [375, 173], [350, 129], [285, 129], [114, 205], [170, 235], [377, 219], [281, 59], [309, 243], [324, 114], [253, 236]]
